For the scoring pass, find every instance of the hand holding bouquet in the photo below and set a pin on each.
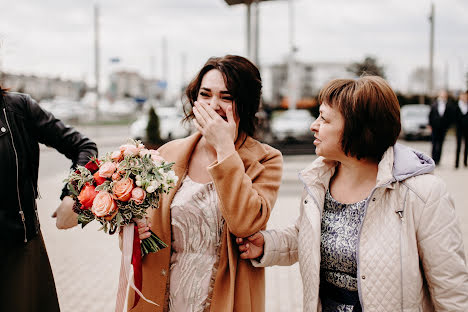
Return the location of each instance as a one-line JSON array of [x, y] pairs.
[[117, 191]]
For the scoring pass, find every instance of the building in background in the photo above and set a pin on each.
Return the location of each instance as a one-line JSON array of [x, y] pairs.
[[43, 87], [310, 76], [124, 84]]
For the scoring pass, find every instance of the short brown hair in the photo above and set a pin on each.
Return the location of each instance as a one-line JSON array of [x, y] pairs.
[[371, 114], [243, 81]]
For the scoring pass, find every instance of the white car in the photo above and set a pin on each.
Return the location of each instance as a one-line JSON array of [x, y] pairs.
[[170, 125], [415, 121], [292, 125]]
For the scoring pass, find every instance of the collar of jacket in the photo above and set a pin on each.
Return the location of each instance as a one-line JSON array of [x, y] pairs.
[[319, 173]]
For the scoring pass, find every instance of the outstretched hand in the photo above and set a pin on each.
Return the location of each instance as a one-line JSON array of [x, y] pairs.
[[65, 216], [252, 246]]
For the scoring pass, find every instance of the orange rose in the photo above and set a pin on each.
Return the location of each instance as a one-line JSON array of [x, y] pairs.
[[122, 189], [98, 179], [87, 195], [107, 169], [104, 204], [138, 195]]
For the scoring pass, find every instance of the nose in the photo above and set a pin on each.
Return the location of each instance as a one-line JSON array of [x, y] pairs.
[[314, 126], [214, 103]]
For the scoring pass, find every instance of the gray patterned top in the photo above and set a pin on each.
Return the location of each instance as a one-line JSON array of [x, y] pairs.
[[339, 239]]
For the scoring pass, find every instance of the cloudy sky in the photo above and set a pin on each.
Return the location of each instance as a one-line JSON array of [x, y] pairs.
[[55, 37]]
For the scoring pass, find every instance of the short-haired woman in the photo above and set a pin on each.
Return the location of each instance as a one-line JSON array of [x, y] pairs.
[[228, 185], [377, 230]]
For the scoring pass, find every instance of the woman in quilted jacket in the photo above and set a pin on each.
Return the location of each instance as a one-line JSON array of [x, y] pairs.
[[377, 230]]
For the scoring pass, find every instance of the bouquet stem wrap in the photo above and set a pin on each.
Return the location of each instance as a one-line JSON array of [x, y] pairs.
[[125, 279]]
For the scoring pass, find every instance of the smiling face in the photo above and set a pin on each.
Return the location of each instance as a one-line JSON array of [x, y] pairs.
[[214, 93], [328, 128]]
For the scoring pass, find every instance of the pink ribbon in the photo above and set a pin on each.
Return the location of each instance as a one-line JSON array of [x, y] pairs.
[[125, 270]]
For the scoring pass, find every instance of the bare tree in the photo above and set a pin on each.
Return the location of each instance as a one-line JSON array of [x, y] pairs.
[[368, 66]]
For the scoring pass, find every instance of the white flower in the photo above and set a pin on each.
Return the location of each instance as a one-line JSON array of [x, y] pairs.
[[138, 182], [138, 177], [150, 189], [155, 183]]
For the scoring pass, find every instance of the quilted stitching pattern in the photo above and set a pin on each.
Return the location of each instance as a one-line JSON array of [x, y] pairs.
[[380, 268]]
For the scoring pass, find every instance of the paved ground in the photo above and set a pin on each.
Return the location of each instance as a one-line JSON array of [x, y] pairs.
[[86, 262]]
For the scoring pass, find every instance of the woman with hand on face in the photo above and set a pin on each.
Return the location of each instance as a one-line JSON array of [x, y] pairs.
[[228, 184], [377, 230]]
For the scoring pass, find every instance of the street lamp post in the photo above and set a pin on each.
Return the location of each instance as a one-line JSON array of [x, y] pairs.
[[252, 35]]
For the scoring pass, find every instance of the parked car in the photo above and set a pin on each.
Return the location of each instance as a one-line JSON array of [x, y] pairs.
[[292, 125], [170, 125], [415, 121]]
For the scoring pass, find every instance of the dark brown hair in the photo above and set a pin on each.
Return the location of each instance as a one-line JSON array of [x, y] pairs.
[[371, 114], [243, 81]]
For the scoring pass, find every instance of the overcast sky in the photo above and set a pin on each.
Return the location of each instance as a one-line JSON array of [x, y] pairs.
[[55, 37]]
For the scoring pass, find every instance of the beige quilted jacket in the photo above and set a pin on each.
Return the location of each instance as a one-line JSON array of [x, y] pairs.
[[410, 253]]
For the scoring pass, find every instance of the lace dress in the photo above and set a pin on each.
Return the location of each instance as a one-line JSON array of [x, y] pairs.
[[196, 235], [339, 240]]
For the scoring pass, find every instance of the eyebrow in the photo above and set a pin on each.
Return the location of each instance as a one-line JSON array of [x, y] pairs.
[[222, 92]]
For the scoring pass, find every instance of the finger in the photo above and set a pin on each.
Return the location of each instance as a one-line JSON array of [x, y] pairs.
[[203, 111], [197, 125], [243, 248], [255, 236], [230, 115], [239, 240], [144, 236], [244, 255], [199, 117], [143, 230], [210, 111]]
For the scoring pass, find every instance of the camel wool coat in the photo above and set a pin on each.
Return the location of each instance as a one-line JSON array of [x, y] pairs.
[[247, 184]]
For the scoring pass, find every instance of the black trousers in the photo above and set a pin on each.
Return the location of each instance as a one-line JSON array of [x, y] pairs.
[[27, 283], [438, 137], [462, 135]]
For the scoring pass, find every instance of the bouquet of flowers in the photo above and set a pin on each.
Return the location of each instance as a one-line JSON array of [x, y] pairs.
[[117, 191]]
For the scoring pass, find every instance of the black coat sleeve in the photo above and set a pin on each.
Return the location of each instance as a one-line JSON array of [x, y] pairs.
[[65, 139]]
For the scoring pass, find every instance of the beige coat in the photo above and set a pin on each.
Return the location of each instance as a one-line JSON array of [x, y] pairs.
[[247, 184], [410, 252]]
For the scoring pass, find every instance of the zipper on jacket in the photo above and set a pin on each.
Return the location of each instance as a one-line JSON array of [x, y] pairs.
[[21, 212]]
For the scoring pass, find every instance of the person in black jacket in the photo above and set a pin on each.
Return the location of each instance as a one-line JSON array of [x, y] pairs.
[[441, 117], [461, 122], [27, 283]]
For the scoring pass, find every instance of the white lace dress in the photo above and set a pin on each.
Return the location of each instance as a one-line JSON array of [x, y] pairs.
[[196, 235]]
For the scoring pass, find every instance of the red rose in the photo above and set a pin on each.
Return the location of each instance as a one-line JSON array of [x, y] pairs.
[[98, 179], [93, 165], [87, 195]]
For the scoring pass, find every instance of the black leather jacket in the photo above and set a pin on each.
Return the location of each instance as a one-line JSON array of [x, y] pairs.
[[23, 125]]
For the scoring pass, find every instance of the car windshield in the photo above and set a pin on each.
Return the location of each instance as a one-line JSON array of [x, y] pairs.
[[415, 112]]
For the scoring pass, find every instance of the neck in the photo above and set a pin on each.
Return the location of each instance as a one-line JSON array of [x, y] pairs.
[[358, 171]]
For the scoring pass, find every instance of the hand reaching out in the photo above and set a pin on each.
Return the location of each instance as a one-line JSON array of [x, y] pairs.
[[252, 246]]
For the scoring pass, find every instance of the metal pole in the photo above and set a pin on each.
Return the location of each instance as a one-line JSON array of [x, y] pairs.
[[292, 81], [96, 58], [248, 31], [256, 33], [431, 52], [164, 64]]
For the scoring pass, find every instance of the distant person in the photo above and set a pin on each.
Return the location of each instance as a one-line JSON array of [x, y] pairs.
[[27, 283], [441, 117], [228, 186], [377, 231], [461, 122]]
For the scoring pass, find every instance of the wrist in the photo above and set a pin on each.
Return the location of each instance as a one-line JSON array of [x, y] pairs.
[[224, 151]]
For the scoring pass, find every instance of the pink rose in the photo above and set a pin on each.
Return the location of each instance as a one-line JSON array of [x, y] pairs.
[[144, 152], [103, 204], [138, 195], [122, 189], [129, 150], [156, 157], [116, 156], [116, 176], [107, 169]]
